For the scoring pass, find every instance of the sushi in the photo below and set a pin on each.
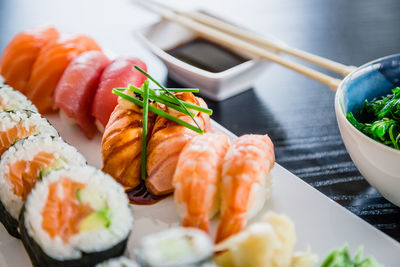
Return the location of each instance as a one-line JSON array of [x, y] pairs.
[[21, 53], [245, 182], [120, 73], [76, 89], [22, 165], [197, 177], [16, 125], [166, 143], [122, 143], [118, 262], [49, 66], [11, 100], [178, 246], [75, 217]]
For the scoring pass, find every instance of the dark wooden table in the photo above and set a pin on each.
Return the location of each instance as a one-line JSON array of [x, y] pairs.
[[298, 113]]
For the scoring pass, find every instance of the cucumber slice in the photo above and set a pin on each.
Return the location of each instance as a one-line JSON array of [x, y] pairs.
[[95, 220], [92, 198]]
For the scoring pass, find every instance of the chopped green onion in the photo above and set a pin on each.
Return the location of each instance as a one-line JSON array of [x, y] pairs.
[[178, 101], [158, 111], [190, 90], [144, 130]]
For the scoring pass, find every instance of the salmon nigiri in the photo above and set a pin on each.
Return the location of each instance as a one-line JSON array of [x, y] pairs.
[[20, 54], [197, 177], [166, 143], [76, 89], [53, 59], [245, 182], [122, 143], [120, 73]]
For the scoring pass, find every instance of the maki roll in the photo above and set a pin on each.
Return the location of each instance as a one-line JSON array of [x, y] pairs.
[[77, 216], [11, 99], [118, 262], [178, 247], [22, 165], [16, 125]]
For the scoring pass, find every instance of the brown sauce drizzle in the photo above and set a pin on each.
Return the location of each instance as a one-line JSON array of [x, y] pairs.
[[141, 196]]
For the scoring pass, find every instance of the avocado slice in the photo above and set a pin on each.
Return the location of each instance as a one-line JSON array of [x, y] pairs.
[[95, 220], [92, 198]]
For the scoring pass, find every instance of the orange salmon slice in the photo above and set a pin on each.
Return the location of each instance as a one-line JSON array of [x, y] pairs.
[[24, 173], [62, 212], [7, 138]]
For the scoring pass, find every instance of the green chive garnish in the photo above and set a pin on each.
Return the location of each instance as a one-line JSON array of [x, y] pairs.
[[144, 130]]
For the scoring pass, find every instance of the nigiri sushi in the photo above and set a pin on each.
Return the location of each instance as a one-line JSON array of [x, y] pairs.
[[197, 178], [25, 163], [76, 89], [77, 216], [49, 66], [245, 182], [122, 143], [119, 73], [166, 143], [21, 53]]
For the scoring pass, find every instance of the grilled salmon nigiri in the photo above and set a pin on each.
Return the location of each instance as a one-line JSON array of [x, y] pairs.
[[166, 143], [245, 182], [122, 143], [197, 177]]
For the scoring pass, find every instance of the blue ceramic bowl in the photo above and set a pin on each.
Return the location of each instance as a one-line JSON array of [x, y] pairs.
[[379, 164]]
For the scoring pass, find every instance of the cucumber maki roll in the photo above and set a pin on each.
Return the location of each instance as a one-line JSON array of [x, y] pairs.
[[178, 247], [77, 216], [16, 125], [24, 163], [11, 99]]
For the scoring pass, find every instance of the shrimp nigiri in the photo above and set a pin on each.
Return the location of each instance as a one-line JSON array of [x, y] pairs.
[[20, 54], [53, 59], [245, 182], [122, 143], [197, 177], [166, 143]]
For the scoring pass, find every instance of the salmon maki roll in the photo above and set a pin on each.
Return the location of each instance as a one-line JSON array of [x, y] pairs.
[[166, 143], [11, 100], [77, 87], [118, 74], [77, 216], [21, 53], [245, 182], [121, 145], [25, 163], [197, 178], [51, 62], [16, 125]]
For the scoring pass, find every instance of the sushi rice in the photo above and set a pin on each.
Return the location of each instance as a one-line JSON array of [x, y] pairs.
[[11, 99], [26, 150], [88, 246], [118, 262]]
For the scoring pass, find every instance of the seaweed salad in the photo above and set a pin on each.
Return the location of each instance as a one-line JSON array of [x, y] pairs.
[[379, 119]]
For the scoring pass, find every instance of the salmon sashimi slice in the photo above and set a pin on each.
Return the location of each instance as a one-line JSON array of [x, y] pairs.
[[53, 59], [119, 74], [77, 87], [122, 144], [21, 53], [7, 138], [166, 143], [245, 183], [62, 212], [197, 177], [24, 173]]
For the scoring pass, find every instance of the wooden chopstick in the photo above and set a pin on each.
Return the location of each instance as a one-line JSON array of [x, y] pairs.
[[237, 43], [260, 40]]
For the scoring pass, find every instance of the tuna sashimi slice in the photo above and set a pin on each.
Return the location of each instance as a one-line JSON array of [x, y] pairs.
[[77, 87], [120, 73]]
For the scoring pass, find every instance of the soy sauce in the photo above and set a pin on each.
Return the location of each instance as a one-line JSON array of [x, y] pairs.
[[141, 196], [206, 55]]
